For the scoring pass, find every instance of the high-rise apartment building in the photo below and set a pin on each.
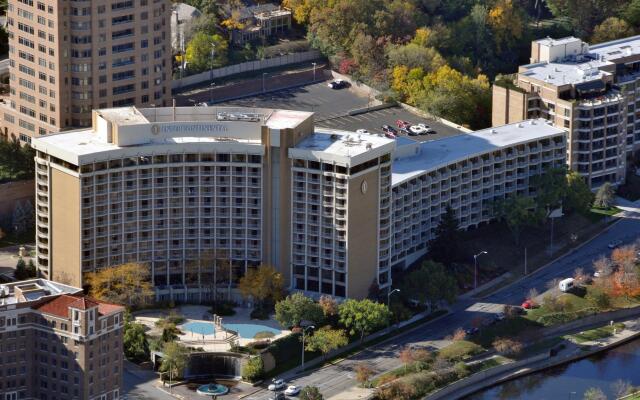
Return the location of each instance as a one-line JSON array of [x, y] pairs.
[[58, 344], [184, 190], [592, 91], [69, 57]]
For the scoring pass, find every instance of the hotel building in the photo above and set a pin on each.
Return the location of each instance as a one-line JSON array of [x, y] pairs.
[[67, 58], [187, 190], [58, 344], [592, 91]]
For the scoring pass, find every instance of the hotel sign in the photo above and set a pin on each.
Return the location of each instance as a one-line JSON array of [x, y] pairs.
[[157, 129]]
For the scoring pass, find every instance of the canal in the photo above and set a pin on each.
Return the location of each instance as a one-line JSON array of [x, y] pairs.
[[570, 381]]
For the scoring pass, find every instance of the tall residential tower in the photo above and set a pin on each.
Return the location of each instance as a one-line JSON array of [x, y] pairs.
[[69, 57]]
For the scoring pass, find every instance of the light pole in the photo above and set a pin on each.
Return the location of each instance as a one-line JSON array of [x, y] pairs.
[[475, 268], [213, 54], [211, 85], [314, 71], [263, 76], [389, 300], [304, 329]]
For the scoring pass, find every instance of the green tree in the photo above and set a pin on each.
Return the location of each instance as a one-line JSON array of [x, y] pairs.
[[585, 14], [174, 360], [310, 393], [579, 197], [430, 284], [199, 49], [413, 55], [445, 246], [631, 13], [551, 188], [20, 272], [363, 316], [263, 284], [297, 307], [135, 343], [518, 212], [604, 196], [32, 272], [325, 340], [170, 332], [253, 369], [611, 28]]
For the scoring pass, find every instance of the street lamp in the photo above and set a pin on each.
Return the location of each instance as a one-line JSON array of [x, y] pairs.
[[389, 300], [475, 268], [304, 329], [263, 76], [211, 85], [213, 54], [314, 71]]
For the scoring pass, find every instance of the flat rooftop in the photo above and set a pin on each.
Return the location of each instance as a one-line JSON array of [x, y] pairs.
[[439, 153], [576, 71], [32, 290], [345, 147]]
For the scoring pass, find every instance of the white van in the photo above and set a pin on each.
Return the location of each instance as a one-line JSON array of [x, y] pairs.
[[566, 285]]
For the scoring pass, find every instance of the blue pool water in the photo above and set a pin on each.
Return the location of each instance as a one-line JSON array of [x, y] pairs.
[[248, 331], [200, 328]]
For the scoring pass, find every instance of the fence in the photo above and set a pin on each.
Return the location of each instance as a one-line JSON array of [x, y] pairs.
[[248, 66]]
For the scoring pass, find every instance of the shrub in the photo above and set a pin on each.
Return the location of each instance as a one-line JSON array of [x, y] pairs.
[[459, 350], [224, 308], [253, 369], [264, 335], [260, 313], [397, 390], [459, 334], [563, 317], [259, 344], [286, 348], [310, 393], [507, 346]]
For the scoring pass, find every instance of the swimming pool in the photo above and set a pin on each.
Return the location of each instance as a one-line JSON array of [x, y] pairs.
[[200, 328], [248, 331]]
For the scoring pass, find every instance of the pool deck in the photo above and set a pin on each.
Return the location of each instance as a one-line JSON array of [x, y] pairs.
[[220, 341]]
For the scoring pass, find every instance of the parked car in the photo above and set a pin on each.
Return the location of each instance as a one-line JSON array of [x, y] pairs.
[[418, 130], [389, 129], [566, 285], [614, 244], [338, 84], [597, 274], [425, 129], [529, 304], [390, 135], [363, 132], [471, 331], [292, 390], [276, 385], [403, 124]]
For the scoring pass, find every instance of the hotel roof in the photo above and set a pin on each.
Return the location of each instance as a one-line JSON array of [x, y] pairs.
[[442, 152], [33, 290]]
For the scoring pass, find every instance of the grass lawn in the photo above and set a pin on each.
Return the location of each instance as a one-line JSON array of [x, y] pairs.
[[597, 333], [606, 211], [460, 350], [509, 327], [572, 303]]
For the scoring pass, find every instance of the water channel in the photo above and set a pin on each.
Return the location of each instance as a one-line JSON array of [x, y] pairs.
[[570, 381]]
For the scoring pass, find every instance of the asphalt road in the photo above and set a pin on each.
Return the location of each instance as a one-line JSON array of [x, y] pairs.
[[340, 377], [139, 384]]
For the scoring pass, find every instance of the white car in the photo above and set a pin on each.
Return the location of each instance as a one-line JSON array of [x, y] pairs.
[[597, 274], [418, 130], [363, 132], [292, 390], [276, 385]]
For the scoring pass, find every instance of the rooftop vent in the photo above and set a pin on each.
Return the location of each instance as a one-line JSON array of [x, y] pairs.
[[519, 125], [239, 116], [493, 131], [335, 136], [369, 146]]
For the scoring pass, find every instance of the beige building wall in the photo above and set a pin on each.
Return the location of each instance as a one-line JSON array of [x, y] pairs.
[[362, 233], [508, 106], [65, 228]]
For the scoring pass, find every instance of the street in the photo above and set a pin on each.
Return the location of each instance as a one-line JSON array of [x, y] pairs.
[[139, 384], [336, 379]]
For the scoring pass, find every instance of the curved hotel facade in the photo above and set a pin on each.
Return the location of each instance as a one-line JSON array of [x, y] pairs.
[[201, 194]]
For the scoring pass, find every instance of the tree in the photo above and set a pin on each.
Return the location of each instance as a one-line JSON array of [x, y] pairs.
[[507, 23], [507, 346], [310, 393], [199, 49], [406, 357], [20, 272], [325, 340], [135, 343], [621, 388], [445, 246], [625, 258], [603, 265], [551, 188], [518, 212], [430, 284], [594, 393], [604, 196], [631, 13], [170, 332], [128, 284], [296, 308], [363, 316], [578, 197], [584, 14], [262, 284], [532, 295], [32, 272], [253, 369], [611, 28], [363, 373], [174, 359], [329, 305]]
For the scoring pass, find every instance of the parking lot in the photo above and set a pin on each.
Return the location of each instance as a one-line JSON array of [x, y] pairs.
[[331, 108]]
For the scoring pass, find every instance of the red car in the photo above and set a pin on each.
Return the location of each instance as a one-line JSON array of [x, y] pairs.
[[403, 124], [528, 305]]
